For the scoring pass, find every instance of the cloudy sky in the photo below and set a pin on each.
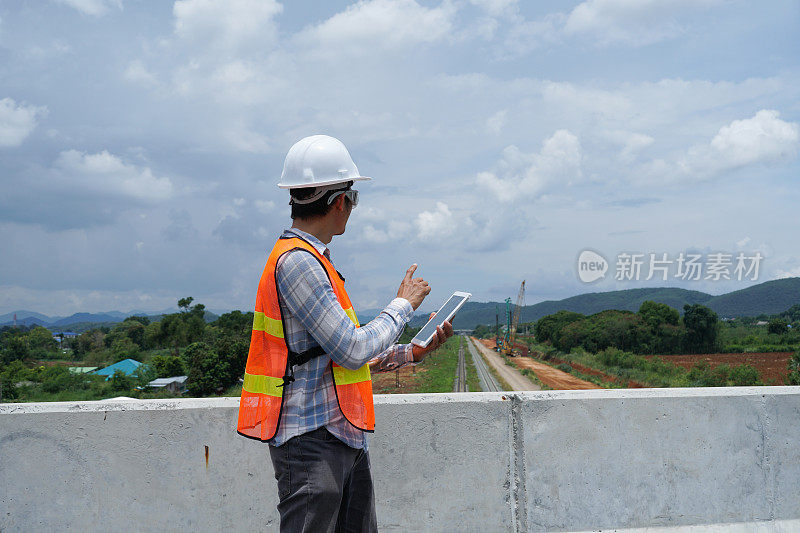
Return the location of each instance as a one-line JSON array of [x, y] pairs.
[[141, 141]]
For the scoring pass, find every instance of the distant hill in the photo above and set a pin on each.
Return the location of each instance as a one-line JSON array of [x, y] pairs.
[[768, 298], [89, 317], [765, 298], [80, 322], [26, 318]]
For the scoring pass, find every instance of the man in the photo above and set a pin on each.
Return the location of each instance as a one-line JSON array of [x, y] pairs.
[[307, 390]]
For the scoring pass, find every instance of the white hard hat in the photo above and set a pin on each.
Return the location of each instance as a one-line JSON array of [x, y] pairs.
[[317, 161]]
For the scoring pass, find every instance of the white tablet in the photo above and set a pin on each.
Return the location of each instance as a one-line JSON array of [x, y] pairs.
[[444, 314]]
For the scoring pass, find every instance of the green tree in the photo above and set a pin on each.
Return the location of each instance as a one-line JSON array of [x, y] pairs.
[[41, 339], [121, 381], [167, 366], [701, 329], [185, 303], [173, 332], [663, 322], [547, 326], [10, 375], [778, 326], [144, 374], [16, 350], [58, 378], [152, 335], [236, 323], [124, 348], [233, 350], [483, 331], [207, 371], [180, 329], [143, 320], [89, 341], [655, 314], [134, 330]]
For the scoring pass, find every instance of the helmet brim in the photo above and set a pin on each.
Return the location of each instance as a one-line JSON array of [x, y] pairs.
[[322, 183]]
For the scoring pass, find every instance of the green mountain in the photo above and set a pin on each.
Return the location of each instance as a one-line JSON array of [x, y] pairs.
[[765, 298], [769, 298]]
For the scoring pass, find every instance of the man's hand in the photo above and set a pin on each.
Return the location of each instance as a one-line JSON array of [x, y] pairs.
[[414, 290], [443, 332]]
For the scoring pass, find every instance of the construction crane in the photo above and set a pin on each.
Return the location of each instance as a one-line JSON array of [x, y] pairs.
[[513, 321], [498, 344]]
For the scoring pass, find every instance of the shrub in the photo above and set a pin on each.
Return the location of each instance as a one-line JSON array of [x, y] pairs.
[[120, 381], [564, 367], [743, 375], [794, 370], [617, 358]]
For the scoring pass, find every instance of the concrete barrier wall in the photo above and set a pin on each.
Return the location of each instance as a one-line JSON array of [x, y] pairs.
[[722, 459]]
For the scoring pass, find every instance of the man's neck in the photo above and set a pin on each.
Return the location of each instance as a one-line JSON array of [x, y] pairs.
[[318, 227]]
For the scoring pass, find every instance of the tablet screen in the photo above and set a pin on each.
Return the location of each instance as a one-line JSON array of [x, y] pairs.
[[446, 311]]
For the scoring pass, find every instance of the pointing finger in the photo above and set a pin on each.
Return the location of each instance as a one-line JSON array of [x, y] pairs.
[[410, 271]]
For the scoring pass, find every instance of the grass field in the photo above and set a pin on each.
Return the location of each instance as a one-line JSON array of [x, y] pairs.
[[435, 374]]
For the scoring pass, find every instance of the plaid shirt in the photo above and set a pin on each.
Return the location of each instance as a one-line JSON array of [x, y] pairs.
[[313, 316]]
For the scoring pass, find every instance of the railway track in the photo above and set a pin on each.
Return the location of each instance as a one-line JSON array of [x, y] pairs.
[[488, 383], [460, 383]]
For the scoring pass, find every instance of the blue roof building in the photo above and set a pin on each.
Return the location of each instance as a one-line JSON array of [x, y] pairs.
[[128, 366]]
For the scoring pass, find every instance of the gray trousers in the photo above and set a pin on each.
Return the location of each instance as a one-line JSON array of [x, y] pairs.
[[323, 485]]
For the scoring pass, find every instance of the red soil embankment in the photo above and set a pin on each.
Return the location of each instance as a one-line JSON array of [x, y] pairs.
[[771, 366]]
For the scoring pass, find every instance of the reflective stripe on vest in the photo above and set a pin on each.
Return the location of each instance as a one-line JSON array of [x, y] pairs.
[[267, 362]]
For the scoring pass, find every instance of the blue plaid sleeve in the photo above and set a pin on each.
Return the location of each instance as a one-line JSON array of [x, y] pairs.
[[307, 292]]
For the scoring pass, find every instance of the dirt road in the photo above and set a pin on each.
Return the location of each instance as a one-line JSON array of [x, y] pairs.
[[552, 377], [510, 374]]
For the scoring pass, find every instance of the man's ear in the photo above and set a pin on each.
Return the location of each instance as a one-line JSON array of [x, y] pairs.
[[339, 202]]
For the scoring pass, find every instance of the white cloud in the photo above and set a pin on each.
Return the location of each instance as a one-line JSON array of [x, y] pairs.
[[495, 123], [433, 225], [95, 8], [226, 25], [633, 22], [17, 121], [378, 24], [265, 207], [138, 73], [632, 143], [497, 8], [764, 138], [107, 174], [520, 176], [241, 137], [790, 273], [523, 36], [392, 231]]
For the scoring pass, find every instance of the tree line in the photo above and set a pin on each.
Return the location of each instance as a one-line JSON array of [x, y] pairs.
[[655, 328], [213, 355]]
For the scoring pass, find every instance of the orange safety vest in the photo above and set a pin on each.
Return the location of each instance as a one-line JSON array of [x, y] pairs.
[[268, 363]]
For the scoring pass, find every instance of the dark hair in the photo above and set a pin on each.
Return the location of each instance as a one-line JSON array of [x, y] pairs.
[[317, 208]]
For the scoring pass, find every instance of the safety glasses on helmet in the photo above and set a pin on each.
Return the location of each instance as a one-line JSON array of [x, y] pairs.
[[350, 193]]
